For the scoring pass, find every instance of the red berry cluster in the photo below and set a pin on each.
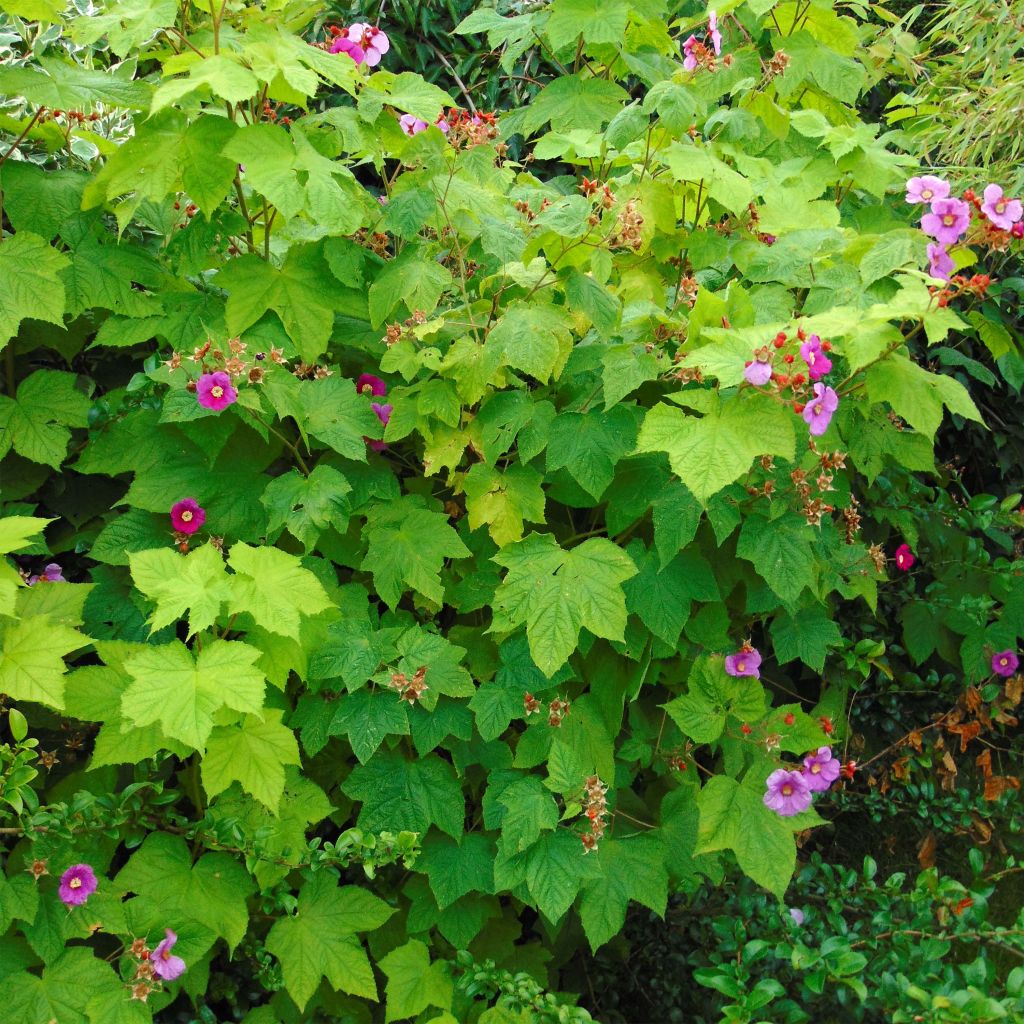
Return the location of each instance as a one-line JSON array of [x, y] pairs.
[[959, 286]]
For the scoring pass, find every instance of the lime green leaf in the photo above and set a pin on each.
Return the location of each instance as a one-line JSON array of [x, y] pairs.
[[596, 21], [29, 282], [196, 583], [253, 753], [15, 531], [407, 546], [414, 278], [32, 661], [126, 24], [61, 85], [273, 587], [224, 74], [533, 338], [503, 501], [182, 693], [571, 101], [414, 983], [36, 421], [409, 92]]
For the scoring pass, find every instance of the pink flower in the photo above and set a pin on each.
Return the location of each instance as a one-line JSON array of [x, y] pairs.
[[818, 364], [940, 263], [371, 41], [165, 964], [187, 516], [1005, 663], [77, 884], [787, 793], [412, 125], [904, 557], [821, 769], [797, 915], [370, 385], [745, 662], [759, 370], [716, 36], [818, 412], [926, 189], [383, 414], [214, 391], [1003, 212], [948, 220], [345, 45], [51, 574], [689, 53]]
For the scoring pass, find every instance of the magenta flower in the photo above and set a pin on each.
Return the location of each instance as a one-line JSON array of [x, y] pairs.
[[818, 412], [187, 515], [165, 964], [1003, 212], [940, 263], [51, 574], [821, 769], [345, 45], [689, 53], [214, 391], [371, 41], [716, 36], [926, 189], [745, 662], [77, 884], [759, 370], [370, 385], [787, 793], [412, 125], [1005, 663], [904, 557], [947, 221], [818, 363], [383, 414]]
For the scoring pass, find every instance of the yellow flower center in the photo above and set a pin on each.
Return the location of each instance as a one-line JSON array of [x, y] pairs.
[[948, 220], [1003, 662], [741, 666], [1000, 206], [815, 769], [817, 409], [75, 883], [165, 955], [186, 517], [217, 391], [927, 193], [787, 790]]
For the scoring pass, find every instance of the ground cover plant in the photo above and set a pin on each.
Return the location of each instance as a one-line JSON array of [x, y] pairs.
[[432, 531]]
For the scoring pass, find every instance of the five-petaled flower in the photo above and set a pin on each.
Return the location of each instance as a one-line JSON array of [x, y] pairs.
[[51, 574], [745, 662], [367, 384], [940, 263], [1005, 663], [904, 557], [165, 964], [926, 189], [77, 884], [818, 363], [787, 792], [1003, 212], [187, 515], [818, 411], [365, 44], [821, 769], [214, 391], [948, 220]]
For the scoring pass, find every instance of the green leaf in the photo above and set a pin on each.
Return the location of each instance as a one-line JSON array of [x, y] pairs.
[[367, 717], [335, 414], [590, 445], [60, 85], [533, 338], [307, 505], [32, 661], [457, 868], [36, 421], [806, 635], [182, 693], [414, 278], [555, 593], [15, 531], [710, 452], [407, 547], [29, 281], [570, 101], [252, 753], [781, 550], [273, 587], [414, 983], [595, 21], [529, 810], [126, 23], [733, 817], [504, 500], [318, 940], [196, 582], [407, 795]]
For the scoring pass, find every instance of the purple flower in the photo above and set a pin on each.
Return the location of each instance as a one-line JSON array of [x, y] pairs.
[[716, 36], [940, 263], [214, 391], [797, 915], [787, 793], [344, 45], [373, 43], [412, 125], [187, 515], [51, 574], [383, 414], [165, 964], [947, 221], [759, 370], [745, 662], [370, 385], [689, 53], [818, 412], [926, 189], [1003, 212], [818, 363], [1005, 663], [821, 769], [77, 884]]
